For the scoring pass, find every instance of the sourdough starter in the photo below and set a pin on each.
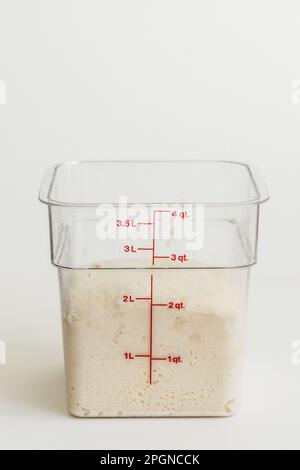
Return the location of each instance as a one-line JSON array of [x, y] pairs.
[[205, 335]]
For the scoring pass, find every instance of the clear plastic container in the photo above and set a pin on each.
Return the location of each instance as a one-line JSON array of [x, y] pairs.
[[153, 260]]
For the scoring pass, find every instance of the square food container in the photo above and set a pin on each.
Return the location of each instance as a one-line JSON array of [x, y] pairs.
[[153, 260]]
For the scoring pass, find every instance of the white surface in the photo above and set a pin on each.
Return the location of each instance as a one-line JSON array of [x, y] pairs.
[[87, 79]]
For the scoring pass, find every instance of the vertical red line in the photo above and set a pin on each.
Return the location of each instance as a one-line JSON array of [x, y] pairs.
[[151, 331], [153, 238]]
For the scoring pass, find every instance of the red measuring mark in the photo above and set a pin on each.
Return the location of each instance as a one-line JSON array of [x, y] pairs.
[[126, 223], [131, 249], [170, 304], [151, 330], [149, 355], [156, 211]]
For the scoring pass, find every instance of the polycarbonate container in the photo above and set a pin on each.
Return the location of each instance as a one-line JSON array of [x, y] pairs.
[[153, 260]]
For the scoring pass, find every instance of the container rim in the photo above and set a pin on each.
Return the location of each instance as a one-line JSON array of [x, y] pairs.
[[44, 195]]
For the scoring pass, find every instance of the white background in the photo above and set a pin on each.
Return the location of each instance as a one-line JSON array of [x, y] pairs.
[[92, 79]]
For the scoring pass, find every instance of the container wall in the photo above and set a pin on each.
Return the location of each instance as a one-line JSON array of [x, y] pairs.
[[153, 342], [212, 236]]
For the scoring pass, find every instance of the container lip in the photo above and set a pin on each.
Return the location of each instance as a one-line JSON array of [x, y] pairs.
[[44, 195]]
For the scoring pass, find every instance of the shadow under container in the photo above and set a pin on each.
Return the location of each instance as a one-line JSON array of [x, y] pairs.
[[153, 260]]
